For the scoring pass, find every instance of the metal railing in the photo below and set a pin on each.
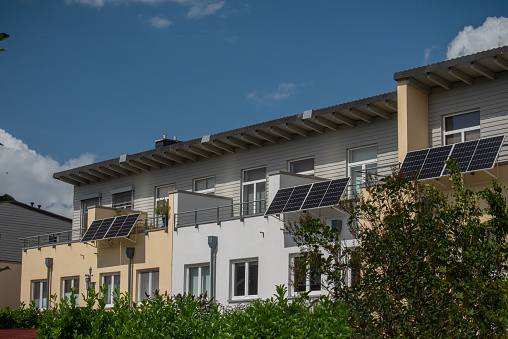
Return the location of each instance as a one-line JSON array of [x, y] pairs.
[[50, 239], [219, 214], [153, 223]]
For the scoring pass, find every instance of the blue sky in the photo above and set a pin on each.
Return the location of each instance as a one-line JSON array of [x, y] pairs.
[[89, 80]]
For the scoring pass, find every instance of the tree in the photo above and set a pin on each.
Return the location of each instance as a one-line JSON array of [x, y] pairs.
[[3, 36], [431, 265]]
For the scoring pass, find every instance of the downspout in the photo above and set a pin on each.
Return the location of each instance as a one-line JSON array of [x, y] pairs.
[[212, 242], [49, 266], [129, 251]]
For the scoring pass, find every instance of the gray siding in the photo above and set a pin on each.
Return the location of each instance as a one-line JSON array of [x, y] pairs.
[[329, 151], [17, 222], [488, 96]]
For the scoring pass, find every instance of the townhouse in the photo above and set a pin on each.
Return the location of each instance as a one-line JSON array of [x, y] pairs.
[[229, 194]]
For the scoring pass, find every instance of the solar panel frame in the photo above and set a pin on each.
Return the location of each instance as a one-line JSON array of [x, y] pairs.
[[115, 227], [127, 226], [92, 229], [334, 192], [315, 195], [462, 153], [413, 163], [486, 153], [103, 229], [295, 201], [279, 201], [435, 162]]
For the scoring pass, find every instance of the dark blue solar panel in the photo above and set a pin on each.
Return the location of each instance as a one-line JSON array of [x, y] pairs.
[[486, 153], [103, 229], [435, 162], [115, 227], [297, 198], [127, 226], [279, 201], [315, 195], [463, 153], [90, 232], [334, 192], [412, 164]]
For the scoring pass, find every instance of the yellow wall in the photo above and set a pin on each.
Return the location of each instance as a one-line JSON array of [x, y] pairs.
[[10, 281], [153, 250], [412, 118]]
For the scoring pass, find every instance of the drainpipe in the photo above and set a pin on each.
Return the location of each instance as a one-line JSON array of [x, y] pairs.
[[212, 242], [129, 251], [49, 265]]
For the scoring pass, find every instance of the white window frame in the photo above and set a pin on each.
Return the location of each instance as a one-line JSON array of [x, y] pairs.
[[200, 277], [246, 279], [84, 210], [40, 297], [124, 205], [462, 131], [207, 190], [171, 187], [310, 172], [150, 281], [292, 258], [258, 206], [73, 281], [113, 281], [363, 164]]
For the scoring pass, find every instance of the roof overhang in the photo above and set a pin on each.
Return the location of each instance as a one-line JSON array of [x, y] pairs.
[[311, 122]]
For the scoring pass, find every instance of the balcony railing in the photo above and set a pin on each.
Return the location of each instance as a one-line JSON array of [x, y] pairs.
[[219, 214], [49, 239]]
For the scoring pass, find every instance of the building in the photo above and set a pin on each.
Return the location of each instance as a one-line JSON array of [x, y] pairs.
[[219, 238], [18, 220]]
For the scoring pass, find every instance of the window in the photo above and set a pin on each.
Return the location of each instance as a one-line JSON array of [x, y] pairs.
[[362, 162], [304, 278], [112, 282], [354, 272], [85, 205], [245, 278], [198, 279], [148, 284], [254, 191], [204, 185], [162, 193], [40, 293], [68, 284], [461, 127], [123, 200], [302, 166]]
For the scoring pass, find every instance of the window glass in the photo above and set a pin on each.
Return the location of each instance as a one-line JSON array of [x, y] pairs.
[[302, 166], [205, 184], [245, 278], [205, 280], [363, 154], [461, 121], [253, 278], [239, 279], [40, 293], [112, 282], [148, 284], [362, 163], [254, 174], [122, 200], [305, 278], [162, 192], [198, 280], [194, 281], [68, 285], [254, 191]]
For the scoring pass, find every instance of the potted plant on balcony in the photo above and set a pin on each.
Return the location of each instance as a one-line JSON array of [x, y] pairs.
[[162, 210]]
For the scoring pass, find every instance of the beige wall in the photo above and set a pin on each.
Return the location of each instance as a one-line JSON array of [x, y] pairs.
[[10, 282], [412, 118], [153, 250]]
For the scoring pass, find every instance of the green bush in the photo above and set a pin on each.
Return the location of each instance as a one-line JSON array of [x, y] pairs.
[[185, 316]]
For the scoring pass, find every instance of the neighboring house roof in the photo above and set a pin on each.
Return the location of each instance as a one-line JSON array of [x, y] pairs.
[[459, 70], [41, 211], [303, 124]]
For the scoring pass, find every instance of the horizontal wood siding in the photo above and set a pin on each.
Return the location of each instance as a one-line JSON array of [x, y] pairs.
[[488, 96], [17, 222], [329, 151]]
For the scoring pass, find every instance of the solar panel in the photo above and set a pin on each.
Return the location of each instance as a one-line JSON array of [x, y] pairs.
[[434, 163], [486, 153], [334, 192], [127, 226], [115, 227], [413, 162], [297, 198], [462, 153], [279, 201], [90, 232], [315, 195], [103, 229]]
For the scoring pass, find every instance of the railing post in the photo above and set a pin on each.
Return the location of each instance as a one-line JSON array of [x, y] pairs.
[[38, 241], [241, 211], [196, 218], [218, 221]]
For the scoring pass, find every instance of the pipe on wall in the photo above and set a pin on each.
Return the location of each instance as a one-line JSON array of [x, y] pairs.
[[129, 251]]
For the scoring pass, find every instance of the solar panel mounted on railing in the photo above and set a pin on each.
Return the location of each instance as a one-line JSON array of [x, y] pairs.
[[92, 229], [127, 226], [334, 192], [115, 227], [315, 195], [279, 201], [103, 229]]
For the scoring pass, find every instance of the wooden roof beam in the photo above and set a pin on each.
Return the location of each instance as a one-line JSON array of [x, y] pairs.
[[391, 105], [488, 73], [69, 181], [418, 85], [281, 133], [224, 146], [89, 177], [361, 115], [325, 123], [161, 159], [78, 178], [212, 148], [100, 174], [174, 157], [137, 164], [268, 137], [251, 140], [439, 80], [187, 154], [312, 125], [343, 119], [237, 143], [297, 129], [502, 62], [199, 151], [379, 111], [458, 74], [150, 162], [118, 169]]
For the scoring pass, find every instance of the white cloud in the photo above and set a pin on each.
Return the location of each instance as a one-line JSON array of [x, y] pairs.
[[101, 3], [28, 176], [203, 8], [283, 91], [493, 33], [160, 22]]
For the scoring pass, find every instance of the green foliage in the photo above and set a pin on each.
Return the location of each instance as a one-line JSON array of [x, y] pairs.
[[6, 197], [184, 316], [431, 265], [162, 208], [3, 36]]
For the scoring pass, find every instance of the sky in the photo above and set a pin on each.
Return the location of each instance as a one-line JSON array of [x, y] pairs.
[[88, 80]]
